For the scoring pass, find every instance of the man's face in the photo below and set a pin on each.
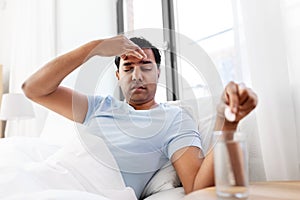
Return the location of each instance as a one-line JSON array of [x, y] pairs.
[[138, 78]]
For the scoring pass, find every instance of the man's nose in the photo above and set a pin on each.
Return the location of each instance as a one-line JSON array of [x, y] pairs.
[[137, 74]]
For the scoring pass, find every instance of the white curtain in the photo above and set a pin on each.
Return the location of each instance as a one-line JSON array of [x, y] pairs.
[[267, 32], [31, 44]]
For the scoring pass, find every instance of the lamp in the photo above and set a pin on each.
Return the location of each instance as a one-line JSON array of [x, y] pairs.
[[15, 106]]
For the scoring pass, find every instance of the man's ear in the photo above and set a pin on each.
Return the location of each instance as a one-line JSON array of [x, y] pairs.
[[118, 75], [158, 73]]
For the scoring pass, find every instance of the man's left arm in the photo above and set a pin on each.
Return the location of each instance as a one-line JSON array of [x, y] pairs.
[[194, 170]]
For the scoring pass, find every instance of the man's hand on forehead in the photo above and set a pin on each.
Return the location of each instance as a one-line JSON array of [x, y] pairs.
[[118, 46], [137, 53]]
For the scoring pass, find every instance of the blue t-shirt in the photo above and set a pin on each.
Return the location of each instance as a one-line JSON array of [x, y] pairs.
[[141, 141]]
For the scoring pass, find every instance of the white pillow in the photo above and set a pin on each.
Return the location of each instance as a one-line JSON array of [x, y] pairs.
[[85, 164], [172, 194], [58, 130], [165, 179]]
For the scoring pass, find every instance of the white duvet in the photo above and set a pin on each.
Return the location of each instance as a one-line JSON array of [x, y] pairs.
[[30, 168]]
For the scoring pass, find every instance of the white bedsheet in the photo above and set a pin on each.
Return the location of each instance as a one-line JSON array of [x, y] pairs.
[[57, 195], [32, 169]]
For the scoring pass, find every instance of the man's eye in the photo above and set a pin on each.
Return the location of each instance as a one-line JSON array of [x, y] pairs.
[[147, 68], [127, 70]]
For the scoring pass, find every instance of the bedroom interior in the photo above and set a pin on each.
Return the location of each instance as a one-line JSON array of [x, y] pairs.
[[245, 45]]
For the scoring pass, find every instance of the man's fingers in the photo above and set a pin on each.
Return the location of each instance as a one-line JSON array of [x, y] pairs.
[[132, 53], [240, 99], [231, 92], [124, 56], [137, 54], [141, 52], [243, 93], [246, 95], [250, 103], [134, 50], [132, 47]]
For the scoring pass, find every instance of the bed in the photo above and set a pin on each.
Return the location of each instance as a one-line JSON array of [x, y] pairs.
[[32, 168], [61, 167], [56, 167]]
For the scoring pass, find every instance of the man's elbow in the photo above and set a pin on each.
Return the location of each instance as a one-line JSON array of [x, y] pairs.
[[202, 186], [25, 89], [188, 190], [28, 90]]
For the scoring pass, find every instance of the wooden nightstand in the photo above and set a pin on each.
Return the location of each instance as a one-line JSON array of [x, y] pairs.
[[273, 190]]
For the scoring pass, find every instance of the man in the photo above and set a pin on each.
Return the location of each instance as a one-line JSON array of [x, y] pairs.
[[125, 125]]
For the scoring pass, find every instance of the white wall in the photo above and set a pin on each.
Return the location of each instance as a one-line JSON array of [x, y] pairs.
[[79, 22], [29, 29], [6, 16]]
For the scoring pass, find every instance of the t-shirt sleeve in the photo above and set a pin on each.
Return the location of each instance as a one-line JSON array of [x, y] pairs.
[[182, 133], [93, 104]]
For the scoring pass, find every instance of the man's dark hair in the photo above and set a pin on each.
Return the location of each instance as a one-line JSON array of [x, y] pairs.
[[143, 43]]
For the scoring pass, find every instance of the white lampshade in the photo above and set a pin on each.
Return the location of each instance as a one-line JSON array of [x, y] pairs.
[[15, 106]]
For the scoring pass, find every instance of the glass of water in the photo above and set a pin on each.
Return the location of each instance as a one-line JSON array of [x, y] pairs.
[[231, 164]]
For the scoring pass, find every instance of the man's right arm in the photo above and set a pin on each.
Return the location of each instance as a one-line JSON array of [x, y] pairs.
[[44, 88]]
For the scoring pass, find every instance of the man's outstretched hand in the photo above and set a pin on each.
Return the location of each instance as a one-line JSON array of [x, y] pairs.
[[238, 101]]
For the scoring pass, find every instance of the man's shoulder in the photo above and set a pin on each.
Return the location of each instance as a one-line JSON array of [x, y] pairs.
[[181, 109], [173, 110], [170, 107], [174, 106], [97, 101], [99, 98]]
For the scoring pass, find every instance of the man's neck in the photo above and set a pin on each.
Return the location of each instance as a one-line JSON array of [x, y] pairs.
[[144, 106]]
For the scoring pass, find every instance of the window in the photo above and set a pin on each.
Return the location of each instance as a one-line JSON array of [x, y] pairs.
[[210, 25], [207, 23]]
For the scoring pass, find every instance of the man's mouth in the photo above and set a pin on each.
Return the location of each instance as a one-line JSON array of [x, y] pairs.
[[138, 87]]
